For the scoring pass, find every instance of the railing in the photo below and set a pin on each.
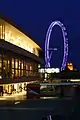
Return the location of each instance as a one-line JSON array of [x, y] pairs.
[[20, 79], [59, 89]]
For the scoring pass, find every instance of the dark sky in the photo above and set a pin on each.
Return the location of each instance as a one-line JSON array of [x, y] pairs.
[[35, 16]]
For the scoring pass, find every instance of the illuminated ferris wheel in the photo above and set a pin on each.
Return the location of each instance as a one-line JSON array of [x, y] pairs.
[[49, 51]]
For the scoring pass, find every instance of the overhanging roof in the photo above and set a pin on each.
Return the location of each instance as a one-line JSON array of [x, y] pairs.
[[20, 51], [7, 20]]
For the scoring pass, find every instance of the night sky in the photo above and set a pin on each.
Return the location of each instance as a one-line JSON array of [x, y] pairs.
[[35, 16]]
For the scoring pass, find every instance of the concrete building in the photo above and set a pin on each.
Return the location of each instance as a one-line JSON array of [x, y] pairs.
[[19, 59]]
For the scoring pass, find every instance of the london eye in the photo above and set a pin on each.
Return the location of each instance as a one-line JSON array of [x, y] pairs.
[[49, 51]]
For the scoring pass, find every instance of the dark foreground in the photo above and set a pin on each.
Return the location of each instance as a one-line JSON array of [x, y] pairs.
[[37, 109]]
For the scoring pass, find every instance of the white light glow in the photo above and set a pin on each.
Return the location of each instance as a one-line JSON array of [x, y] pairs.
[[17, 102], [49, 70], [15, 86], [76, 80], [0, 77]]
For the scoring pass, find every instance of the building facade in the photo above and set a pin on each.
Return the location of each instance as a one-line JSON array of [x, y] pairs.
[[19, 59]]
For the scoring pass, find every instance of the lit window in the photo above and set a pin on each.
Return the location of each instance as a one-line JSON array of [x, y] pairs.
[[16, 63], [30, 67]]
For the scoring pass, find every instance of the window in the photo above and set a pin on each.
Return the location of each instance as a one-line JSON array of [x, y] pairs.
[[12, 62], [30, 68], [2, 31], [16, 63], [0, 61], [16, 73]]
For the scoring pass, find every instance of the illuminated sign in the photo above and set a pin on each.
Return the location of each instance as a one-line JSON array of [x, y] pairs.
[[49, 70]]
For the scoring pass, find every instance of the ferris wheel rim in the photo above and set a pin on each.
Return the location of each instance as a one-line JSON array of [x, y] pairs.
[[65, 39]]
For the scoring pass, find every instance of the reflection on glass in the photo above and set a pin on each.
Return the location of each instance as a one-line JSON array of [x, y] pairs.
[[11, 67], [0, 61], [2, 33], [13, 73], [19, 73], [12, 62], [22, 64], [19, 63], [16, 63], [16, 73]]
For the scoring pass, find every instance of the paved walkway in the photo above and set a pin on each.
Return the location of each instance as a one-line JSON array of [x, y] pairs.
[[16, 96]]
